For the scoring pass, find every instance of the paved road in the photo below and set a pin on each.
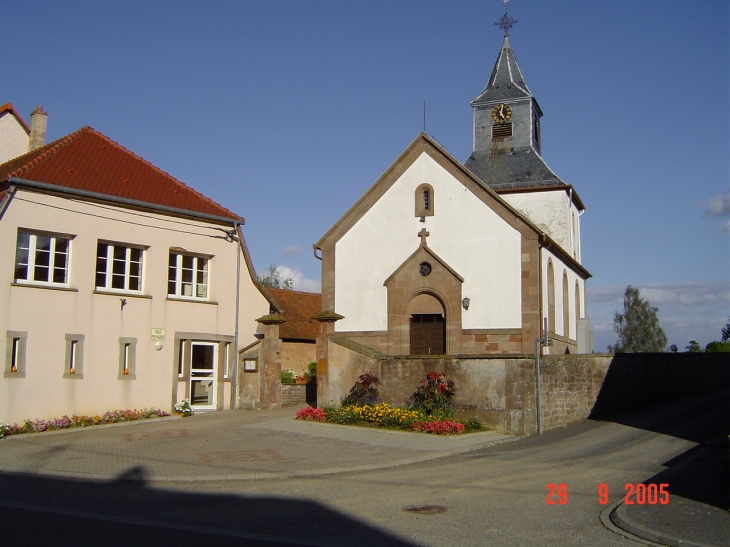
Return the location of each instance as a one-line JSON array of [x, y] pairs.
[[493, 496]]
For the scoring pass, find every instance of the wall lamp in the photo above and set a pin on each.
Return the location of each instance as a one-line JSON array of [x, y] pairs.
[[465, 303]]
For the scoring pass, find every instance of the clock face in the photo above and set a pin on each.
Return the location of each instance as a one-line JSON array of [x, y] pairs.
[[501, 113]]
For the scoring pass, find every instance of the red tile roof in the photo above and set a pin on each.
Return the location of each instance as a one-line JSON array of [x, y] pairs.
[[299, 307], [7, 107], [87, 160]]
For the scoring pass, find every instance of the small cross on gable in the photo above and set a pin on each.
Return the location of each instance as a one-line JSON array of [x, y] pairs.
[[423, 234]]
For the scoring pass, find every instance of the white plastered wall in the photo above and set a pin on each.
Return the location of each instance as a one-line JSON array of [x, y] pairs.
[[560, 268], [554, 213], [13, 138], [471, 238], [48, 315]]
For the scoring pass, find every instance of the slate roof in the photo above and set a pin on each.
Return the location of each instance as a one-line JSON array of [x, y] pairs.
[[518, 168], [87, 160], [298, 308], [506, 81], [7, 107]]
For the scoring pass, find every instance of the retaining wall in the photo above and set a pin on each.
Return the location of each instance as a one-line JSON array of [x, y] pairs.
[[501, 389]]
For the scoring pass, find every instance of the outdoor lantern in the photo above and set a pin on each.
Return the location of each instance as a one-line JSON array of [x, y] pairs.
[[465, 303]]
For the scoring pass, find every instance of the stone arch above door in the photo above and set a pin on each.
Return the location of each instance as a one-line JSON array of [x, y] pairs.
[[423, 273]]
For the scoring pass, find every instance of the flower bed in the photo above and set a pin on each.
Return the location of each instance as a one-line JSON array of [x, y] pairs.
[[65, 422], [384, 415], [432, 410]]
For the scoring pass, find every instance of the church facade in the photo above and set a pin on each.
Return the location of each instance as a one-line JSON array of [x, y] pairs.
[[444, 258]]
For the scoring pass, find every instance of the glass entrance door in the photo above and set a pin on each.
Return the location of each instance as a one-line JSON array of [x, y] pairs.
[[203, 375]]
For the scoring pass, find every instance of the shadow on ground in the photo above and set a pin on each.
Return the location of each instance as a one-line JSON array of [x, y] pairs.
[[702, 473], [132, 511]]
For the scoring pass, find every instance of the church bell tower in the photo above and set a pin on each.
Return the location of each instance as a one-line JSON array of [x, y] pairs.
[[506, 140]]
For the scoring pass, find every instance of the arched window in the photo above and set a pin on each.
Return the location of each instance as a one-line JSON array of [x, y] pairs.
[[578, 314], [424, 201], [551, 296], [566, 306]]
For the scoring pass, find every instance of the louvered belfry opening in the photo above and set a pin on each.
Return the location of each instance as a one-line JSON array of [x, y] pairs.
[[501, 131]]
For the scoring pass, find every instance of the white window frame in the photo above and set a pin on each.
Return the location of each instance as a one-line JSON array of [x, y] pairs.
[[33, 254], [109, 269], [175, 275]]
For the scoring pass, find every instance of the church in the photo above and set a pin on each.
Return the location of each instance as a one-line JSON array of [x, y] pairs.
[[444, 258]]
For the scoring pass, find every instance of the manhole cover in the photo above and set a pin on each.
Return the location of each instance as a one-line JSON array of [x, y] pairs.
[[425, 509]]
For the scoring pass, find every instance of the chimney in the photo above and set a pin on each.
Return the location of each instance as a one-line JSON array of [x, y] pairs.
[[38, 122]]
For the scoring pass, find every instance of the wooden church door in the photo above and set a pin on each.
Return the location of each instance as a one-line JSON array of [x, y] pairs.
[[428, 334]]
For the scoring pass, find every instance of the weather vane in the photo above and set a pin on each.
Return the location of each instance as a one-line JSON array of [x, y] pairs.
[[506, 22]]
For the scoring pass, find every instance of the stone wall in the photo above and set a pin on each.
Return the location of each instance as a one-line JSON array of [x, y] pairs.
[[297, 355], [501, 389], [299, 394]]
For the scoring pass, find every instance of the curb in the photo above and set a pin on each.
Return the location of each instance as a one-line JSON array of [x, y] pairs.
[[615, 518], [299, 473]]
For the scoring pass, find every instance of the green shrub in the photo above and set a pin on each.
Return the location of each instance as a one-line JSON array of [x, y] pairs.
[[311, 373], [473, 424], [718, 347], [288, 377], [343, 416]]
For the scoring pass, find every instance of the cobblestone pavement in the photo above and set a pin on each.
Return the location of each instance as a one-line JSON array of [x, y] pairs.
[[223, 445]]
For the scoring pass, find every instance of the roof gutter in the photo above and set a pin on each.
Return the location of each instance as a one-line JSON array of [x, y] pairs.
[[35, 185]]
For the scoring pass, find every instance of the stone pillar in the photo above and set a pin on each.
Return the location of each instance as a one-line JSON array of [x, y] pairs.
[[585, 335], [327, 321], [270, 362]]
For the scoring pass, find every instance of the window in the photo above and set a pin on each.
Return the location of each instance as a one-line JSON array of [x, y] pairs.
[[424, 200], [15, 354], [118, 268], [187, 276], [501, 131], [41, 259], [127, 358], [74, 361]]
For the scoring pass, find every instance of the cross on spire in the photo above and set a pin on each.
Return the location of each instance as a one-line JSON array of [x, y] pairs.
[[506, 22], [423, 234]]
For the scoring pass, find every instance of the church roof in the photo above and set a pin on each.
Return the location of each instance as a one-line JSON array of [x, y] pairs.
[[90, 162], [506, 81], [517, 168]]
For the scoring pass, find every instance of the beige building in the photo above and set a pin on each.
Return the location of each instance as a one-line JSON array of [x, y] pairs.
[[16, 136], [121, 287]]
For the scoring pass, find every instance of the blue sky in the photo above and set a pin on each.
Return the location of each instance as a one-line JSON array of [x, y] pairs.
[[287, 111]]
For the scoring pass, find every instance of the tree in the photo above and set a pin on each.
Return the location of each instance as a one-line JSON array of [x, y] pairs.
[[638, 326], [726, 332], [694, 347], [273, 279]]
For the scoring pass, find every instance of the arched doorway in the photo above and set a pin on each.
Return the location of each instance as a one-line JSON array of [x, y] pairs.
[[427, 325]]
